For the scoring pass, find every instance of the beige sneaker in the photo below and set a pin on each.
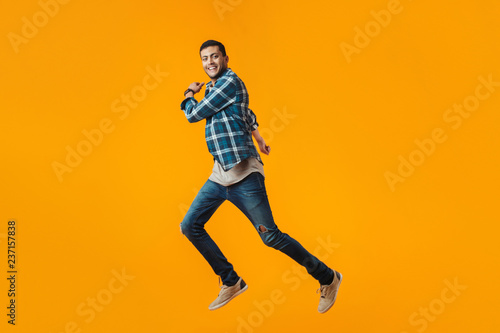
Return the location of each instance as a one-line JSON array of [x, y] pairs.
[[228, 293], [329, 293]]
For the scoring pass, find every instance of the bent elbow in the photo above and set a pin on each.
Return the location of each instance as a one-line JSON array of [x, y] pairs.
[[192, 119]]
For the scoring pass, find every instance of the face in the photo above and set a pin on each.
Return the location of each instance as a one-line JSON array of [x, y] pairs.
[[213, 62]]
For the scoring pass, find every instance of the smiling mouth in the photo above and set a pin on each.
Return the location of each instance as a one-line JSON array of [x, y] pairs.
[[213, 68]]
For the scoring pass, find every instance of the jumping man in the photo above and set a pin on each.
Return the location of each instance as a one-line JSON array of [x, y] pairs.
[[238, 176]]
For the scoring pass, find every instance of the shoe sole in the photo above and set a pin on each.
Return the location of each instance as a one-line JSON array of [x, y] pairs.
[[338, 287], [236, 294]]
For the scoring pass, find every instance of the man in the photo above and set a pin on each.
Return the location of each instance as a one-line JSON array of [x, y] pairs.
[[238, 176]]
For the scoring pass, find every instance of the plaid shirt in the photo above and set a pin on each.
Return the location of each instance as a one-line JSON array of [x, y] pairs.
[[230, 122]]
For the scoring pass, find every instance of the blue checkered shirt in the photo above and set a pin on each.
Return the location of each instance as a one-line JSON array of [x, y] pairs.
[[230, 122]]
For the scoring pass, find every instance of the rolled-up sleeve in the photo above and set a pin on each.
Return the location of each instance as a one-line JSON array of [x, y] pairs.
[[220, 97], [252, 120]]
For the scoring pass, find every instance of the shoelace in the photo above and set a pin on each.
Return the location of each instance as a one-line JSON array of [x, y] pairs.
[[322, 289], [222, 287]]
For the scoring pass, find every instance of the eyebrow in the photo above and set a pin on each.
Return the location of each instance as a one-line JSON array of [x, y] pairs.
[[209, 55]]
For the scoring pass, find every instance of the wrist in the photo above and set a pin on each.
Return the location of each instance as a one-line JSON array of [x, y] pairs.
[[189, 93]]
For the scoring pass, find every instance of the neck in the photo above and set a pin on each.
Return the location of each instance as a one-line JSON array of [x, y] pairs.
[[215, 79]]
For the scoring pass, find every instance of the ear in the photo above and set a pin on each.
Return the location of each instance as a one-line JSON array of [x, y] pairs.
[[227, 58]]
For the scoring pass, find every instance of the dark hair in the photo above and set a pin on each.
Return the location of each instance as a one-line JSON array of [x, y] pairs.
[[213, 43]]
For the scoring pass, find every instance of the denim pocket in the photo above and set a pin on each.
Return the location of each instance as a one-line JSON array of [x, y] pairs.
[[253, 185]]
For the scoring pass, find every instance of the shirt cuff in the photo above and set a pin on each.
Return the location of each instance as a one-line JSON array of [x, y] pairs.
[[184, 102]]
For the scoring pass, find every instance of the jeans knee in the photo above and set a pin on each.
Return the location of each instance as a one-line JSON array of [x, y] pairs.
[[270, 237], [186, 229], [183, 229]]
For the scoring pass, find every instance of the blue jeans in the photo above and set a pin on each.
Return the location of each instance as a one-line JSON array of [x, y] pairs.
[[250, 196]]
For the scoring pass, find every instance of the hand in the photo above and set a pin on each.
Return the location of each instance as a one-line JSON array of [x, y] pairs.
[[265, 149], [196, 86]]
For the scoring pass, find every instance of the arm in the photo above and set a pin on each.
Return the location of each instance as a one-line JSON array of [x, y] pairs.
[[221, 96], [265, 149], [195, 88]]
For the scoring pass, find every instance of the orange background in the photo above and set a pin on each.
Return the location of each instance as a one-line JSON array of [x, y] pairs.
[[349, 120]]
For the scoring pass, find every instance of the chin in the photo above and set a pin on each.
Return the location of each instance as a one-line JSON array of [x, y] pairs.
[[215, 77]]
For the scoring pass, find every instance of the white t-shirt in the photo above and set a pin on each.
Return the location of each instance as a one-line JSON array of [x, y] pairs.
[[236, 173]]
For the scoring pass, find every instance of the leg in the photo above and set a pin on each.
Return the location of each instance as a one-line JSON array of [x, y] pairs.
[[209, 198], [250, 197]]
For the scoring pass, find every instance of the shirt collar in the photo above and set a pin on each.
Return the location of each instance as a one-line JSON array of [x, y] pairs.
[[209, 85]]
